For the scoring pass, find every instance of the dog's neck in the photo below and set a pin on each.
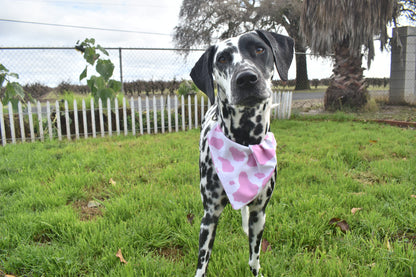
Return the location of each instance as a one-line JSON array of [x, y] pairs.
[[244, 125]]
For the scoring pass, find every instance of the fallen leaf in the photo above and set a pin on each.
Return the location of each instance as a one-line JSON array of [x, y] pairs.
[[119, 255], [343, 225], [354, 210], [112, 181], [265, 246], [190, 218], [333, 220], [358, 193], [413, 196], [373, 141]]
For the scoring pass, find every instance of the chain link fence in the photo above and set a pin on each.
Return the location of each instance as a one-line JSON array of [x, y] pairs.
[[54, 66]]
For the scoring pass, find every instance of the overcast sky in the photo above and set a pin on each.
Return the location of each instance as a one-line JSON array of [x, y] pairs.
[[150, 21]]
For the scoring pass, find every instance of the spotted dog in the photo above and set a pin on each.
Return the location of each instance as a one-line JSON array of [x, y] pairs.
[[242, 68]]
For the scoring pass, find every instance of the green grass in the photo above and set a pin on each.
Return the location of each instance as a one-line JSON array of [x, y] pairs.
[[326, 168]]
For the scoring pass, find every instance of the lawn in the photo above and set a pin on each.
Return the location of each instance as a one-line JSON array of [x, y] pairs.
[[67, 208]]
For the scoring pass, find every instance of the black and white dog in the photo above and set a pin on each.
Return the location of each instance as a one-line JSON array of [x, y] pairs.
[[236, 130]]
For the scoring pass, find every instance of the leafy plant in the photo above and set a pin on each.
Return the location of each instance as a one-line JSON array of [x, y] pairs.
[[187, 87], [102, 87], [13, 91]]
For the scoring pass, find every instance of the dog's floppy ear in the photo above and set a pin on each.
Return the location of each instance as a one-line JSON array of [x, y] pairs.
[[282, 47], [201, 73]]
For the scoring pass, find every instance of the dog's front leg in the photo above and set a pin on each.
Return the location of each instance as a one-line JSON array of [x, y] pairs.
[[257, 219], [207, 235]]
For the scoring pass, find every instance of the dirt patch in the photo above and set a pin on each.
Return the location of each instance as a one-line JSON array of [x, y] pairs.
[[87, 211], [173, 253]]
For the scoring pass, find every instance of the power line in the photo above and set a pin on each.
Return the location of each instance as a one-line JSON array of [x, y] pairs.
[[83, 27]]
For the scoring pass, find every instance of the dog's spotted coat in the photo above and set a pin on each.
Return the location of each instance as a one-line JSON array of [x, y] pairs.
[[242, 68]]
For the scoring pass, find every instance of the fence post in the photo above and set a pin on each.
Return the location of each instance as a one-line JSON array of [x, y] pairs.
[[169, 115], [147, 115], [196, 111], [100, 114], [183, 112], [176, 114]]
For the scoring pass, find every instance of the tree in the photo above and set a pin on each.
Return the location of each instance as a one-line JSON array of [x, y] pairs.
[[341, 28], [202, 21]]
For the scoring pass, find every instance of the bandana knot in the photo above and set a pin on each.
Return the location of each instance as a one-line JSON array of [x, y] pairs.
[[242, 170]]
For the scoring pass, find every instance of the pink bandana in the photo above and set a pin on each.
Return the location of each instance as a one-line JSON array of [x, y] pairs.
[[243, 170]]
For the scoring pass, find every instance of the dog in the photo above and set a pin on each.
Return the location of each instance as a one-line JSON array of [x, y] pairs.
[[235, 130]]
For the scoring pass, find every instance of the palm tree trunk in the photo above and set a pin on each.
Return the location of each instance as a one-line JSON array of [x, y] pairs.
[[348, 89], [302, 80]]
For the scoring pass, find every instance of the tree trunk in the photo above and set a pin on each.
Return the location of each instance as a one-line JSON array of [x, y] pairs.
[[302, 81], [348, 89]]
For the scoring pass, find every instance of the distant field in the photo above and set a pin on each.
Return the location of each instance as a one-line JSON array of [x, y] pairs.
[[66, 208]]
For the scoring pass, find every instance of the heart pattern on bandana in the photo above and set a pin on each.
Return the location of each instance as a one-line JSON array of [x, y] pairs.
[[243, 170]]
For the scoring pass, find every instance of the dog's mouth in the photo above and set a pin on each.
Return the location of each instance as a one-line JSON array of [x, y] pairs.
[[252, 100]]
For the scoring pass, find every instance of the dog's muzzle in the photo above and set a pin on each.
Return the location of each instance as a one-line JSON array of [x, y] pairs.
[[248, 87]]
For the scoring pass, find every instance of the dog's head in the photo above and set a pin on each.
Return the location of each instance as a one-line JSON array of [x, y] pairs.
[[243, 67]]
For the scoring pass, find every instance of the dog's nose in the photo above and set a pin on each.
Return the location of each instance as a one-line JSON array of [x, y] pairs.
[[247, 78]]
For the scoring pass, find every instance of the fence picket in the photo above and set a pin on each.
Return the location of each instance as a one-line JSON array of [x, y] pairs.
[[84, 118], [117, 114], [58, 120], [162, 114], [101, 116], [22, 125], [155, 114], [68, 130], [147, 115], [133, 117], [109, 123], [189, 112], [32, 131], [76, 119], [2, 129], [11, 121], [125, 116], [183, 112], [49, 118], [139, 103], [192, 112], [169, 116], [40, 121], [93, 126], [196, 110], [176, 114]]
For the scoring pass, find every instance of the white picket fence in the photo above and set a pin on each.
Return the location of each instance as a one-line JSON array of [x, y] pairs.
[[44, 122]]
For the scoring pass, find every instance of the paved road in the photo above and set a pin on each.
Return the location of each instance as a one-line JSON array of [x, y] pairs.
[[308, 95]]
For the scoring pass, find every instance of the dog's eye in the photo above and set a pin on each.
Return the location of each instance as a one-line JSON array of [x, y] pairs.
[[259, 50], [222, 59]]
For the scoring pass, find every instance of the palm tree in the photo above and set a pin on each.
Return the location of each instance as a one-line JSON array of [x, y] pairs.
[[341, 28]]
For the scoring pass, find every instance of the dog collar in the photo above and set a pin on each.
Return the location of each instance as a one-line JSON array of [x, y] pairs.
[[242, 170]]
